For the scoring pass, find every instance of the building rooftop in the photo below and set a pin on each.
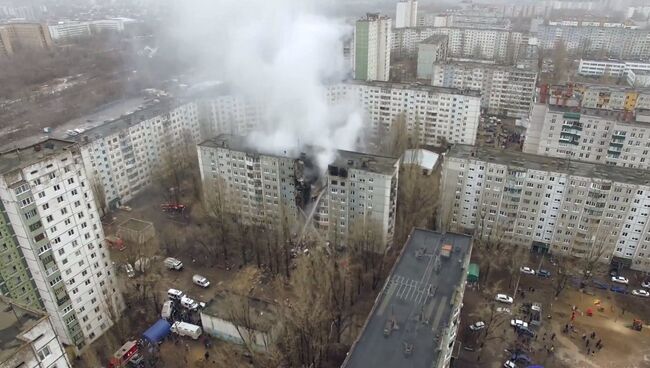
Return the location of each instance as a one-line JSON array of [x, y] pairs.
[[417, 86], [617, 115], [488, 65], [15, 320], [424, 158], [516, 159], [347, 159], [222, 305], [22, 157], [149, 110], [418, 297]]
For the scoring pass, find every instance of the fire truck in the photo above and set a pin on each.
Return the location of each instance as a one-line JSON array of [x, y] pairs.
[[125, 354]]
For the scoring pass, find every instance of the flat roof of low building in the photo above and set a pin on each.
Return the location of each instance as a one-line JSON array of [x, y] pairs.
[[417, 86], [421, 157], [15, 320], [515, 159], [226, 304], [617, 115], [477, 64], [418, 298], [18, 158]]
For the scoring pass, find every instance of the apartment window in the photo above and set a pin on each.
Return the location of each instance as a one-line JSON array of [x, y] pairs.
[[29, 214], [59, 199], [49, 218], [44, 353], [57, 187]]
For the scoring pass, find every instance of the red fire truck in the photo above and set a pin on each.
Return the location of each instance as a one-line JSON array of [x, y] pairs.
[[124, 355]]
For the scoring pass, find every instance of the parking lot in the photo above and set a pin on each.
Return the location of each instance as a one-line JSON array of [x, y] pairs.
[[589, 327], [499, 132]]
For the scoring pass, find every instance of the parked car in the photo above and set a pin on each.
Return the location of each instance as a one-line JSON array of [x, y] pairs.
[[201, 281], [518, 323], [641, 292], [503, 298], [544, 273], [618, 289], [167, 309], [527, 270], [186, 329], [620, 280], [129, 270], [477, 326], [189, 303], [525, 331], [174, 294], [509, 364], [173, 264], [646, 284]]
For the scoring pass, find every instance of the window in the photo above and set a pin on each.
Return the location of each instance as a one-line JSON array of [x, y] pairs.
[[44, 353], [26, 202]]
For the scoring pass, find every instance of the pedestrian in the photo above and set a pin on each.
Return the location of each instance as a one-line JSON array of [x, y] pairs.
[[553, 336], [584, 336], [599, 341], [207, 355], [593, 335]]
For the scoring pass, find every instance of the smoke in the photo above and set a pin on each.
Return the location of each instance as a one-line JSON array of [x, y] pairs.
[[280, 54]]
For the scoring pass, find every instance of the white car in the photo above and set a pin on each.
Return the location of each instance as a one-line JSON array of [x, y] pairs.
[[641, 292], [620, 280], [503, 298], [518, 323], [509, 364], [645, 284], [503, 310], [129, 270], [527, 270], [201, 281], [477, 326]]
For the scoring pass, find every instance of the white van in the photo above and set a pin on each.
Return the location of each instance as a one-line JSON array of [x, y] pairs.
[[173, 264], [167, 309], [189, 303], [174, 294], [201, 281], [187, 329]]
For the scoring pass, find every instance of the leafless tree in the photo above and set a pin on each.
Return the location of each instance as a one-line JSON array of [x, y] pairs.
[[99, 193]]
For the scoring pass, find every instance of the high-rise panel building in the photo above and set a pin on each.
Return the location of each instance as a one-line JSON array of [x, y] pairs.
[[616, 138], [430, 51], [406, 14], [124, 155], [356, 188], [548, 204], [50, 207], [18, 36], [28, 338], [372, 46], [433, 114], [505, 90]]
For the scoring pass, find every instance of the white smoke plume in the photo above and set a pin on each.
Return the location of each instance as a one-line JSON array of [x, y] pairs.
[[280, 53]]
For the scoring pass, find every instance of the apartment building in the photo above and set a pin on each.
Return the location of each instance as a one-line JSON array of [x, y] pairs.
[[593, 135], [617, 42], [229, 113], [505, 90], [436, 114], [124, 155], [17, 36], [69, 30], [493, 44], [549, 204], [610, 67], [51, 209], [395, 334], [406, 14], [15, 277], [263, 186], [430, 51], [638, 78], [372, 47], [28, 338], [361, 190], [268, 186]]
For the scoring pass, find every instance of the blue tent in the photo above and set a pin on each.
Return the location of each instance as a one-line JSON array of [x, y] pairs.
[[157, 332]]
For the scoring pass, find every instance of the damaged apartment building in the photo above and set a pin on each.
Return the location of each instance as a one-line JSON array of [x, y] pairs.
[[356, 188]]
